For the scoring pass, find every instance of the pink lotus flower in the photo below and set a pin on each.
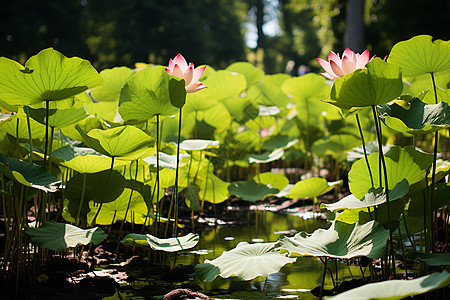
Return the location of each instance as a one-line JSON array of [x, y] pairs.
[[351, 61], [178, 67]]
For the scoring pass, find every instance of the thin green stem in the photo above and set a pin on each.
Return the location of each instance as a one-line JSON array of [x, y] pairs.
[[104, 192], [47, 112], [364, 148], [29, 133], [433, 177], [83, 190], [323, 278]]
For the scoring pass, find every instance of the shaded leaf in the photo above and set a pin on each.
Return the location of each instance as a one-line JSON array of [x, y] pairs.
[[250, 190], [174, 244]]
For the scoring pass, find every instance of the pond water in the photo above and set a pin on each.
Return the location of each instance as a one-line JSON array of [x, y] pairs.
[[294, 281]]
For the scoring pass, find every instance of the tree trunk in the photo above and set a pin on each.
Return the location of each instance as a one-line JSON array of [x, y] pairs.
[[354, 27]]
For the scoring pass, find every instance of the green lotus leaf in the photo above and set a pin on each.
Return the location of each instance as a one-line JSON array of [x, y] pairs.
[[241, 109], [173, 244], [95, 185], [420, 55], [28, 174], [373, 198], [280, 141], [252, 74], [371, 147], [151, 92], [198, 144], [59, 236], [413, 225], [312, 187], [308, 87], [193, 198], [57, 118], [250, 190], [104, 110], [341, 240], [265, 111], [122, 141], [401, 163], [442, 170], [166, 160], [396, 289], [218, 117], [47, 76], [274, 180], [17, 126], [213, 189], [114, 211], [196, 102], [378, 84], [113, 81], [420, 200], [431, 259], [246, 261], [419, 118], [266, 156], [429, 97], [5, 118], [224, 84], [268, 91], [335, 146]]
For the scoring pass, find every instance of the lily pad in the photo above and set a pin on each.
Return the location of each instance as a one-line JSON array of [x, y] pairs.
[[28, 174], [420, 55], [166, 160], [419, 118], [173, 244], [378, 84], [274, 180], [396, 289], [312, 187], [250, 190], [47, 76], [266, 156], [341, 240], [59, 236], [252, 74], [57, 118], [246, 261], [113, 81]]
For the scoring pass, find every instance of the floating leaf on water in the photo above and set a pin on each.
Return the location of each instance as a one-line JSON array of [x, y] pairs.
[[59, 236], [168, 245], [246, 261]]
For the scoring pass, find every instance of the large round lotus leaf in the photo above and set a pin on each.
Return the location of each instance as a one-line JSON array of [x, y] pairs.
[[280, 141], [274, 180], [151, 92], [312, 187], [196, 102], [252, 74], [308, 87], [429, 97], [250, 190], [418, 118], [95, 185], [268, 91], [17, 127], [167, 160], [266, 156], [59, 236], [373, 198], [122, 141], [114, 211], [113, 81], [217, 117], [246, 261], [396, 289], [401, 163], [198, 144], [224, 84], [420, 200], [431, 259], [173, 244], [28, 174], [335, 146], [57, 117], [213, 189], [47, 76], [378, 84], [89, 163], [104, 110], [241, 108], [341, 240], [420, 55]]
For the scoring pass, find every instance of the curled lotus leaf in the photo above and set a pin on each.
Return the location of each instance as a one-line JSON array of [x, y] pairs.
[[246, 261], [173, 244]]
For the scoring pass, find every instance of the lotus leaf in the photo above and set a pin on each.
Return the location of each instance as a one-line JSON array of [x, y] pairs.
[[57, 118], [151, 92], [250, 190], [213, 189], [252, 74], [312, 187], [419, 200], [166, 160], [396, 289], [401, 163], [265, 111], [198, 144], [268, 91], [431, 259], [28, 174], [224, 84], [47, 76], [341, 240], [335, 145], [420, 55], [246, 261], [280, 141], [266, 156], [275, 180], [378, 84], [59, 236], [113, 81], [173, 244]]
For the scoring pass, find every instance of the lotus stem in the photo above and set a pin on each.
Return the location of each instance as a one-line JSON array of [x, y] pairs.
[[47, 112], [324, 274], [157, 177], [364, 148], [264, 286], [381, 155], [104, 192], [433, 177], [77, 219], [29, 133]]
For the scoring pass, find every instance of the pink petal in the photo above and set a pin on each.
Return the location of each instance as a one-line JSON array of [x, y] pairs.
[[189, 74], [348, 65], [326, 66], [328, 76], [363, 59], [171, 64], [336, 69], [179, 60], [349, 53], [334, 57], [195, 87], [177, 71], [169, 71], [198, 73]]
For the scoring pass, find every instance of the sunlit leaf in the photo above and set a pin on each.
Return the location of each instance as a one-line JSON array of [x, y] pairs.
[[59, 236], [266, 156], [274, 180], [213, 189], [250, 190], [173, 244], [198, 144], [311, 187], [113, 81], [58, 118], [341, 240], [166, 160], [224, 84], [246, 261], [252, 74]]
